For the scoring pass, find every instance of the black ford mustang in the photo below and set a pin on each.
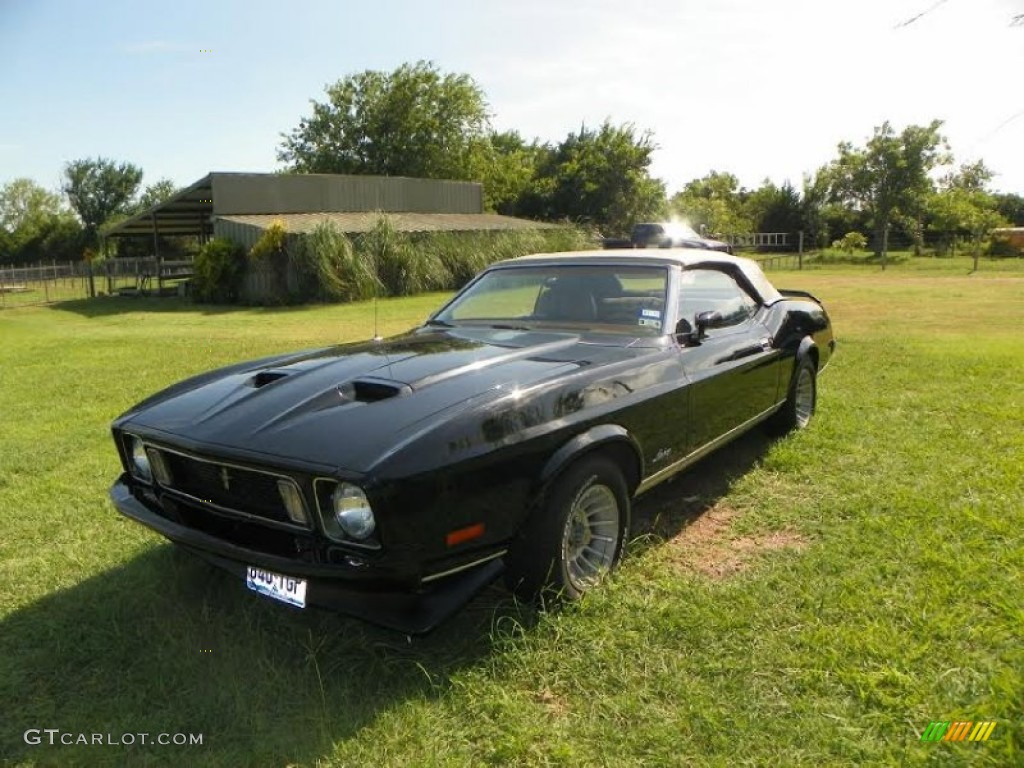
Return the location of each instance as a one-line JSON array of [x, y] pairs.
[[392, 479]]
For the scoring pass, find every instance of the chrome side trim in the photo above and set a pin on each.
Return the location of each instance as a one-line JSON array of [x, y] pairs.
[[466, 567], [244, 468], [704, 450]]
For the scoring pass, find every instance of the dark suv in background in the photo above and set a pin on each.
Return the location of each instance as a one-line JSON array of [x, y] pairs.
[[673, 234]]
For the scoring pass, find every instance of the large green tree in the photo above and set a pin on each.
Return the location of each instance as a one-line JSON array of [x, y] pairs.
[[26, 206], [774, 209], [714, 202], [963, 209], [888, 178], [507, 165], [598, 176], [415, 121], [99, 189], [35, 225]]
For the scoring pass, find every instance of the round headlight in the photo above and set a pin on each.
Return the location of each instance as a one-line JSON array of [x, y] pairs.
[[352, 512], [140, 461]]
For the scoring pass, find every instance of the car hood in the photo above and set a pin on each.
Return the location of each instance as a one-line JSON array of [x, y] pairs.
[[344, 407]]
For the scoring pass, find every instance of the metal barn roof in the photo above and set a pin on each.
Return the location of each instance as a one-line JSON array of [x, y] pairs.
[[303, 200]]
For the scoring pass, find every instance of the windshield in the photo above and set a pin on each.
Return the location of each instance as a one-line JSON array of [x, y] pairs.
[[612, 298]]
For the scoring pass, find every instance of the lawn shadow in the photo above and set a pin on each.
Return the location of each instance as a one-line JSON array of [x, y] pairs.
[[168, 644]]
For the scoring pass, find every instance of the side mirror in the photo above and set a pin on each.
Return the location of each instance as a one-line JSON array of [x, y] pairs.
[[702, 322], [705, 320]]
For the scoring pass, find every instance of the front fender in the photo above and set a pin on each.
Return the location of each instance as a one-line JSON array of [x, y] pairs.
[[592, 439]]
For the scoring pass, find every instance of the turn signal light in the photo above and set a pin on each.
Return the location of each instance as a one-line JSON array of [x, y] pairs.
[[462, 535]]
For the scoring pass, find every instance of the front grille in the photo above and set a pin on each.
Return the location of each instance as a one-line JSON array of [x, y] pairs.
[[250, 535], [242, 490]]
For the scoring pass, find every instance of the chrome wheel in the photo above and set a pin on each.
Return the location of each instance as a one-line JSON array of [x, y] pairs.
[[803, 400], [590, 538]]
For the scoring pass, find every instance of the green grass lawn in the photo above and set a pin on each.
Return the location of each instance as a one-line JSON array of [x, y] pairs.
[[816, 600]]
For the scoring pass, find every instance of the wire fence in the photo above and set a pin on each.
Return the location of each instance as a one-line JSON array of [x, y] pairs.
[[64, 281]]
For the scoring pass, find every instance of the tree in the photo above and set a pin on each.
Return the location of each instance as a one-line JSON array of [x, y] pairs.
[[825, 220], [599, 177], [25, 206], [35, 225], [98, 189], [507, 165], [972, 177], [1010, 207], [958, 211], [774, 209], [415, 121], [714, 202], [888, 178], [963, 208], [154, 194]]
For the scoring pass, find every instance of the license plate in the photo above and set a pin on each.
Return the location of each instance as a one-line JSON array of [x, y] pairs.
[[287, 589]]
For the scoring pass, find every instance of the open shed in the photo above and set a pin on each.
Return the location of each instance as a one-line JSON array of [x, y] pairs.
[[239, 206]]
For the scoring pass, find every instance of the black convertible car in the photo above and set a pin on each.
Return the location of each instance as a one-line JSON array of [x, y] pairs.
[[392, 479]]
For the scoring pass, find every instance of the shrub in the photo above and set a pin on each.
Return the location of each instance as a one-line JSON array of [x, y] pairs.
[[401, 267], [850, 242], [271, 250], [463, 254], [329, 268], [219, 268]]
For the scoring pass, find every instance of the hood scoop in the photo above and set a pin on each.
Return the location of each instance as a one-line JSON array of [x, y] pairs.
[[369, 389], [262, 378]]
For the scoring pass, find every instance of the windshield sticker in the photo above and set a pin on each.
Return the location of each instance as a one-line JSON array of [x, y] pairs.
[[649, 323], [655, 313]]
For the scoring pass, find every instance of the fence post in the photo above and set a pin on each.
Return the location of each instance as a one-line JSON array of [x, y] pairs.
[[885, 246], [800, 252]]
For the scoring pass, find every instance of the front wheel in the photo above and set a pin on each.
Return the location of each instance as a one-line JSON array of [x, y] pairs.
[[801, 400], [575, 535]]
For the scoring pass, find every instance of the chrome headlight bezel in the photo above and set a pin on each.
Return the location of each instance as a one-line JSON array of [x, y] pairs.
[[138, 460], [352, 512], [346, 513]]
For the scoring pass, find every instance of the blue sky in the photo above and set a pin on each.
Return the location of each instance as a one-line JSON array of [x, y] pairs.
[[760, 89]]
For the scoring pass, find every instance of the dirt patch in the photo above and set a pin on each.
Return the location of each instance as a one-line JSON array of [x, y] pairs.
[[704, 545], [552, 702]]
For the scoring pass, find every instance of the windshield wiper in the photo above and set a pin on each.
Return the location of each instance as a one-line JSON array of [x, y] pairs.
[[439, 323], [506, 327]]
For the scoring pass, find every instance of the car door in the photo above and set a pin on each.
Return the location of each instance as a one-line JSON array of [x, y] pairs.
[[733, 370]]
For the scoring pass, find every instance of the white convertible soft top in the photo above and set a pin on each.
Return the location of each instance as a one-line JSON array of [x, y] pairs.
[[687, 258]]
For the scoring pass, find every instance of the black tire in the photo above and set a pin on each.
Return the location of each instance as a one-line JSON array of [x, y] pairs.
[[801, 400], [570, 529]]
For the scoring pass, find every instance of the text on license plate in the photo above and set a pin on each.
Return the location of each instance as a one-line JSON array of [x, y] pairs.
[[287, 589]]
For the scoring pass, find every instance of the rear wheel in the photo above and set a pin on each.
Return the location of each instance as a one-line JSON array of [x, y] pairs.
[[575, 535], [801, 400]]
